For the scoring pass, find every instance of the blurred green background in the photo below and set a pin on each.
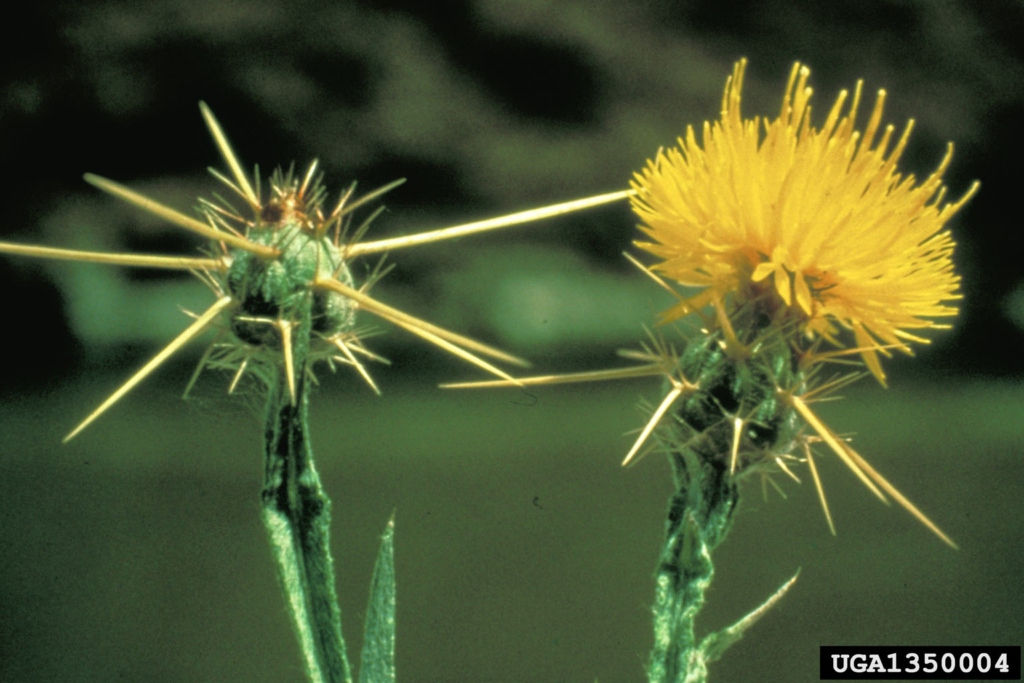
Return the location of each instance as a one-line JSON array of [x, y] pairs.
[[524, 552]]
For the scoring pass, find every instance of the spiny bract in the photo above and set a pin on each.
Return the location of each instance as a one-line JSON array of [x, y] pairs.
[[281, 271]]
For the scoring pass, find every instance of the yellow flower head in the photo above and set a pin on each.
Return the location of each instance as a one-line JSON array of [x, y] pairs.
[[819, 219]]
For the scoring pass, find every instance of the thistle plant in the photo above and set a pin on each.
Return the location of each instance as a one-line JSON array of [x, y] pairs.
[[286, 302], [810, 250]]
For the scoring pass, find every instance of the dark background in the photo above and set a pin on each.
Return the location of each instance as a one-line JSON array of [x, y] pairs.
[[523, 551]]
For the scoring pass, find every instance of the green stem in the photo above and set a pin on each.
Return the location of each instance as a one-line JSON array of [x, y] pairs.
[[699, 517], [296, 512]]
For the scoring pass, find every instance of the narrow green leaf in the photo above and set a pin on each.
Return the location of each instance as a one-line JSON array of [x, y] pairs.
[[377, 662]]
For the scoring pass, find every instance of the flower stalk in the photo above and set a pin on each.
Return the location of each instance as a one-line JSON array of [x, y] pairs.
[[297, 514], [699, 517], [727, 423], [797, 236]]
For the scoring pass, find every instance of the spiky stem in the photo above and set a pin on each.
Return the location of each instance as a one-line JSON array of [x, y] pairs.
[[296, 511], [699, 516]]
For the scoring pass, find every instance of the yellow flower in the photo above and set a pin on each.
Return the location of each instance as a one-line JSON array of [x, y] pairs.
[[818, 216]]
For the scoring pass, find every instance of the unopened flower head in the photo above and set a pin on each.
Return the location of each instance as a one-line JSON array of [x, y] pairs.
[[817, 222], [281, 271]]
